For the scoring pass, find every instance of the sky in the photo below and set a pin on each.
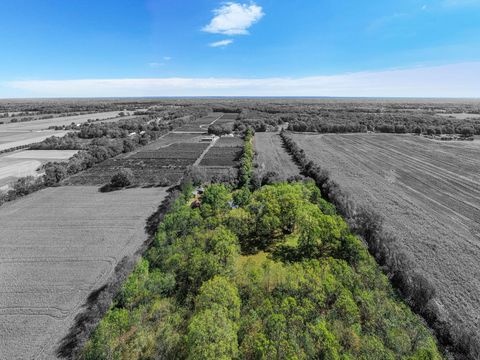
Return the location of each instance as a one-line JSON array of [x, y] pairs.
[[391, 48]]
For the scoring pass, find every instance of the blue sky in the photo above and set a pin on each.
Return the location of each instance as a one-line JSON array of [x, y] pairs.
[[266, 47]]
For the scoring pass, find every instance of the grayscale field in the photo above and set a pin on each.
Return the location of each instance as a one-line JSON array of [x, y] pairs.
[[57, 246], [271, 156]]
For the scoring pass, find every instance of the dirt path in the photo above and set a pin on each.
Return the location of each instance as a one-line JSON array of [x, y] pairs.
[[200, 158]]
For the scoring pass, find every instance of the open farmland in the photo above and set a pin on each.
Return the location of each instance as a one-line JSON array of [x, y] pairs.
[[25, 163], [59, 121], [271, 156], [429, 195], [221, 161], [200, 125], [225, 152], [25, 133], [12, 139], [163, 161], [57, 246]]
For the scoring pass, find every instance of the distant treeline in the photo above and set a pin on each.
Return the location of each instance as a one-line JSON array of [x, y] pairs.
[[414, 287], [351, 122], [355, 118]]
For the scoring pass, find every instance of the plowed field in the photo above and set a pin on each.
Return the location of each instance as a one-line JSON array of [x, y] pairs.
[[271, 156], [57, 246]]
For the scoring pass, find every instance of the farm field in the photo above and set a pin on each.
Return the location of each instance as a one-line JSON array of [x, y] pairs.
[[226, 152], [54, 252], [429, 195], [162, 161], [11, 139], [59, 121], [25, 163], [200, 125], [271, 156]]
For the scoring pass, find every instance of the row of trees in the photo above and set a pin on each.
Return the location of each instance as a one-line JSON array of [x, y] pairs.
[[220, 129], [258, 275], [326, 126], [414, 287], [246, 161]]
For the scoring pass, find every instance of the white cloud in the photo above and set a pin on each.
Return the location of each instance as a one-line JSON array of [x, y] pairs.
[[234, 18], [455, 80], [221, 43], [167, 58]]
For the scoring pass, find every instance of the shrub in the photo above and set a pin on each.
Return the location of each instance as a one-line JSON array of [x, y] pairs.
[[122, 178]]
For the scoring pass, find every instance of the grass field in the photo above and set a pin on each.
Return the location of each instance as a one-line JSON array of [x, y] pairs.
[[271, 156], [25, 163], [429, 195], [25, 133], [57, 246], [59, 121], [11, 139]]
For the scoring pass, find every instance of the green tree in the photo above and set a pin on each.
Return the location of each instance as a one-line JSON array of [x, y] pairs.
[[212, 335]]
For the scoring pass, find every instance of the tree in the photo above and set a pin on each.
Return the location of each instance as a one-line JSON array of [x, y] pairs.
[[467, 131], [122, 178], [219, 292], [54, 173], [212, 335]]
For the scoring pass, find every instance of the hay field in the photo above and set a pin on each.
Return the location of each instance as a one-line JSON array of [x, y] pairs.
[[59, 121], [271, 156], [25, 133], [11, 139], [57, 246], [51, 155], [25, 163], [429, 194]]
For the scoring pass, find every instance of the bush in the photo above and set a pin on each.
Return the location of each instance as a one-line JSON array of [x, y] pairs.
[[122, 178]]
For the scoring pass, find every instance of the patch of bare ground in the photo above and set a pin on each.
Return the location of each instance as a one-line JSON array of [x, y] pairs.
[[429, 195], [271, 156], [57, 246]]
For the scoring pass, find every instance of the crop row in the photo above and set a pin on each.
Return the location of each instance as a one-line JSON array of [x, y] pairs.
[[222, 156]]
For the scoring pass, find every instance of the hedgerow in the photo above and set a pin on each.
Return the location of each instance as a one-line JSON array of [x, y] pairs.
[[246, 162]]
